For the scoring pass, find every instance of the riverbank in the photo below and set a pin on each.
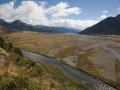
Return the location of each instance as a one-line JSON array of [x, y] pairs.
[[21, 73], [79, 51], [80, 76]]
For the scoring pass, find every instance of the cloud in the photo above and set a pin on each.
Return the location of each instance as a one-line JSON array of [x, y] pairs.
[[37, 13], [111, 15], [62, 10], [28, 11], [118, 9], [102, 17], [71, 23], [7, 10], [104, 12]]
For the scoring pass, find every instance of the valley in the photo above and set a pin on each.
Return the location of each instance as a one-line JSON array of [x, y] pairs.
[[22, 73], [59, 45], [97, 55]]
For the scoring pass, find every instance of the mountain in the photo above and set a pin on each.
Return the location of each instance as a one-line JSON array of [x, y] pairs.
[[66, 30], [118, 17], [6, 30], [18, 25], [110, 25], [3, 28], [2, 21], [61, 29]]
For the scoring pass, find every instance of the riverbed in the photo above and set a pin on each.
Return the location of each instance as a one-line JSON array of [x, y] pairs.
[[80, 76]]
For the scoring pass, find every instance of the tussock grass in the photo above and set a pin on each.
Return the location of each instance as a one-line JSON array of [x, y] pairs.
[[27, 74], [63, 46], [21, 73]]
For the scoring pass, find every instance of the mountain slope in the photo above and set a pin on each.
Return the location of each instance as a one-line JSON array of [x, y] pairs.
[[21, 26], [60, 29], [110, 25], [6, 30]]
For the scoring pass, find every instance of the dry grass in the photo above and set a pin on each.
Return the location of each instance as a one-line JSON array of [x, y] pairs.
[[117, 66], [20, 73], [26, 74], [85, 64], [66, 52], [77, 49]]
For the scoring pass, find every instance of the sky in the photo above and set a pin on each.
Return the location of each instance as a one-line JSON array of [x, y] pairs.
[[77, 14]]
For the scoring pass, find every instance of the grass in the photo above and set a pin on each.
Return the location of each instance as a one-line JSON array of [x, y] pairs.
[[27, 74], [83, 63], [22, 73], [66, 52], [117, 66], [19, 82], [60, 46]]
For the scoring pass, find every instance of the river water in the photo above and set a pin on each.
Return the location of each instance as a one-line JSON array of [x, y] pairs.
[[82, 77]]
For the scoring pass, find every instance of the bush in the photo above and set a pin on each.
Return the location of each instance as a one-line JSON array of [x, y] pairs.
[[19, 82], [2, 43], [1, 39], [7, 46], [18, 51], [26, 62], [10, 45]]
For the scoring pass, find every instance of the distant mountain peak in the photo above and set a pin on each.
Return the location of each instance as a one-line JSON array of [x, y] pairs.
[[17, 21], [18, 25]]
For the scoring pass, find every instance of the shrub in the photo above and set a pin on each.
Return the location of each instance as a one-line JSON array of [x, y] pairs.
[[2, 43], [1, 39], [7, 46], [18, 51], [26, 62], [19, 82], [10, 45]]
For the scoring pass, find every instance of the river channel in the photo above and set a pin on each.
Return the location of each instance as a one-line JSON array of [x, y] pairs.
[[82, 77]]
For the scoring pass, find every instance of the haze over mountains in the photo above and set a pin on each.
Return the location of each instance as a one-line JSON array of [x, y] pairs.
[[110, 25], [21, 26]]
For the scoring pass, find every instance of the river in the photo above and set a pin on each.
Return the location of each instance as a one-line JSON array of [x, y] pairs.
[[82, 77]]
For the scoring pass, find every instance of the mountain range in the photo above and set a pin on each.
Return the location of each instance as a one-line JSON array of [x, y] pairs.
[[110, 25], [18, 25]]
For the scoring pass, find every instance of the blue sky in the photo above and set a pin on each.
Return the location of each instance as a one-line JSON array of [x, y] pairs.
[[78, 14]]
